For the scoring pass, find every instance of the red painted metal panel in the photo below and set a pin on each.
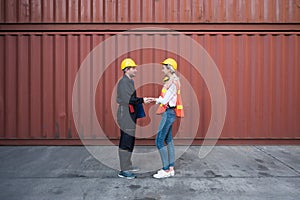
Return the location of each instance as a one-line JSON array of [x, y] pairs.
[[10, 10], [72, 68], [74, 63], [35, 81], [260, 73], [73, 16], [48, 11], [2, 87], [10, 87], [2, 13], [36, 10], [60, 87], [147, 11], [23, 12], [162, 11], [23, 96], [48, 107], [60, 11], [110, 11]]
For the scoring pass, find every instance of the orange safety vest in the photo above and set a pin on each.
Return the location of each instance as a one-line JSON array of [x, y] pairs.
[[179, 107]]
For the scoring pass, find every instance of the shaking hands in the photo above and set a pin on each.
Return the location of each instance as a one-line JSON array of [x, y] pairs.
[[148, 100]]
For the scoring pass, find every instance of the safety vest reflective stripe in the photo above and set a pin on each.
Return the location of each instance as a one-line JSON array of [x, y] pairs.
[[179, 107]]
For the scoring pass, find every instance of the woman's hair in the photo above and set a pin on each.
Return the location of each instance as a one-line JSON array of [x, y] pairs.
[[170, 68], [166, 78]]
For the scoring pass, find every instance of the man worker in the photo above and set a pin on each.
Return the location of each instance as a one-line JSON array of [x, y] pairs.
[[127, 116]]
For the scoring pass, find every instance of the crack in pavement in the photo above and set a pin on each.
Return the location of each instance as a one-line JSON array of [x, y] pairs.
[[277, 159]]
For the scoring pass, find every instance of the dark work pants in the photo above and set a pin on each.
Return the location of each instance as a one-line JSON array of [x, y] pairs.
[[127, 124], [125, 150]]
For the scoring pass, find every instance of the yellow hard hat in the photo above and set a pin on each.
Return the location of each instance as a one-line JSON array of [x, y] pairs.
[[127, 62], [170, 61]]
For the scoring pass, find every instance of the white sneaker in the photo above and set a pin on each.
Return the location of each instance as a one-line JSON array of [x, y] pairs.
[[162, 174], [172, 173]]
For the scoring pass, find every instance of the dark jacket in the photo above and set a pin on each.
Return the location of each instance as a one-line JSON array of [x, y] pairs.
[[126, 95]]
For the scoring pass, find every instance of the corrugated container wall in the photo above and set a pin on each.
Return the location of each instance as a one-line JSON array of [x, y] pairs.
[[254, 45], [154, 11]]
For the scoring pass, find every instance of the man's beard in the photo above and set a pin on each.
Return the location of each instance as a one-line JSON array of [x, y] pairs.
[[132, 75]]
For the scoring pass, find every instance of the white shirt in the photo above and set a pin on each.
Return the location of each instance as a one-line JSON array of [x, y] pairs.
[[170, 96]]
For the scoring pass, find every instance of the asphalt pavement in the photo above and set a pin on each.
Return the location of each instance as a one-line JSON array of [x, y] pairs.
[[226, 172]]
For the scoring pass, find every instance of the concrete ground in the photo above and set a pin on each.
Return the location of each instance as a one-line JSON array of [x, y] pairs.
[[227, 172]]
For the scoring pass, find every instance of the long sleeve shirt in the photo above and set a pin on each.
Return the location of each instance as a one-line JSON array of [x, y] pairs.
[[126, 97], [126, 93], [170, 96]]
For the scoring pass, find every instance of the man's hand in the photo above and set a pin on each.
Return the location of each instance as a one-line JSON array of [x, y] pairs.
[[148, 100]]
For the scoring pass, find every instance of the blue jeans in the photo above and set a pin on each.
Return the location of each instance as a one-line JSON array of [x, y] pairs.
[[164, 134]]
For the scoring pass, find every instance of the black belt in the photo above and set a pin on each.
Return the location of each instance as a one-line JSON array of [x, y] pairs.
[[171, 107]]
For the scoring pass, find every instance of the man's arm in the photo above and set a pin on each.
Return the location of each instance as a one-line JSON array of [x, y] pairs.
[[126, 95]]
